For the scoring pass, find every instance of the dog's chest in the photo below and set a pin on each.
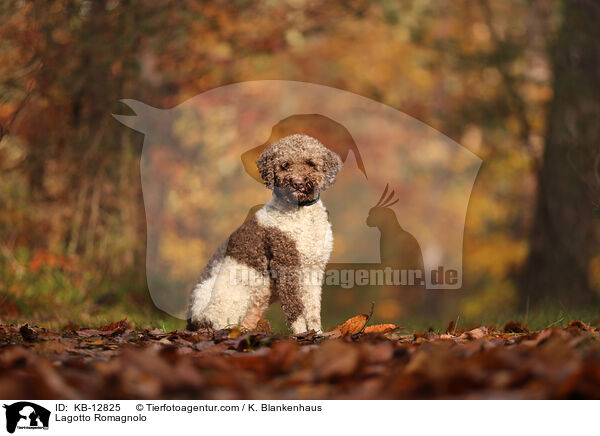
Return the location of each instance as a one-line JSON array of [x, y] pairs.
[[308, 227]]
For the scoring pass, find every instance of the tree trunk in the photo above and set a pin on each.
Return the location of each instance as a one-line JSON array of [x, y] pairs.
[[564, 234]]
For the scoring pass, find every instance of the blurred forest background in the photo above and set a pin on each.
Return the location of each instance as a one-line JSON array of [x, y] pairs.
[[517, 83]]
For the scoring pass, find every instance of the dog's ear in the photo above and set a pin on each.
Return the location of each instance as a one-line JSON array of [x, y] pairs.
[[332, 164], [266, 166]]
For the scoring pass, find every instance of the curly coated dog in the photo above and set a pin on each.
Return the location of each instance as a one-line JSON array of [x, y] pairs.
[[278, 254]]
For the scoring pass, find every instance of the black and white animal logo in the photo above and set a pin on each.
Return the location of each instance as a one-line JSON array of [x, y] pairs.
[[26, 415]]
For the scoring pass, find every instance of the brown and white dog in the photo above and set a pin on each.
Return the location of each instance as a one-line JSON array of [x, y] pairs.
[[281, 252]]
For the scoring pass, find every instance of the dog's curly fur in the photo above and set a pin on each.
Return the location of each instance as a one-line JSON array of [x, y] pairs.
[[281, 252]]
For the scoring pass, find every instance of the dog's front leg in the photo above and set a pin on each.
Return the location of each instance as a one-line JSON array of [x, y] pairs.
[[311, 279], [311, 302], [286, 286], [300, 295]]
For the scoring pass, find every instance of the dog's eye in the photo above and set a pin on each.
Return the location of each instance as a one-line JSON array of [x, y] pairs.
[[285, 165], [310, 163]]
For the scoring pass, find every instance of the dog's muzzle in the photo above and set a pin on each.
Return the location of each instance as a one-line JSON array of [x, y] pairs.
[[302, 184], [300, 190]]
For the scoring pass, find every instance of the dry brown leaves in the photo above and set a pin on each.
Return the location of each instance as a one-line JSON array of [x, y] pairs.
[[358, 324], [116, 361]]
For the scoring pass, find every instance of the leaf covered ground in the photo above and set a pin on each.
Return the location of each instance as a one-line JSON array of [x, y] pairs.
[[350, 362]]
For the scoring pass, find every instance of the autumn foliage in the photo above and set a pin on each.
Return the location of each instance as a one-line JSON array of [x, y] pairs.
[[117, 361], [479, 72]]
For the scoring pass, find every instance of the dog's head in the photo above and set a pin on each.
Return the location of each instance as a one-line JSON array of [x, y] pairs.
[[298, 167]]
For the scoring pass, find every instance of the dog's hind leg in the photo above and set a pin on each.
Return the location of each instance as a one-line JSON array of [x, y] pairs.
[[237, 288], [202, 291]]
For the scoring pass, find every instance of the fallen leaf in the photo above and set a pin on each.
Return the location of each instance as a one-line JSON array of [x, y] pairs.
[[352, 325], [578, 325], [263, 326], [515, 327], [380, 328], [234, 333], [335, 359], [28, 333], [115, 328], [477, 333]]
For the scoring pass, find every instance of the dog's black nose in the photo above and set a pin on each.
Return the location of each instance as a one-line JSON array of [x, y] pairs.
[[298, 183]]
